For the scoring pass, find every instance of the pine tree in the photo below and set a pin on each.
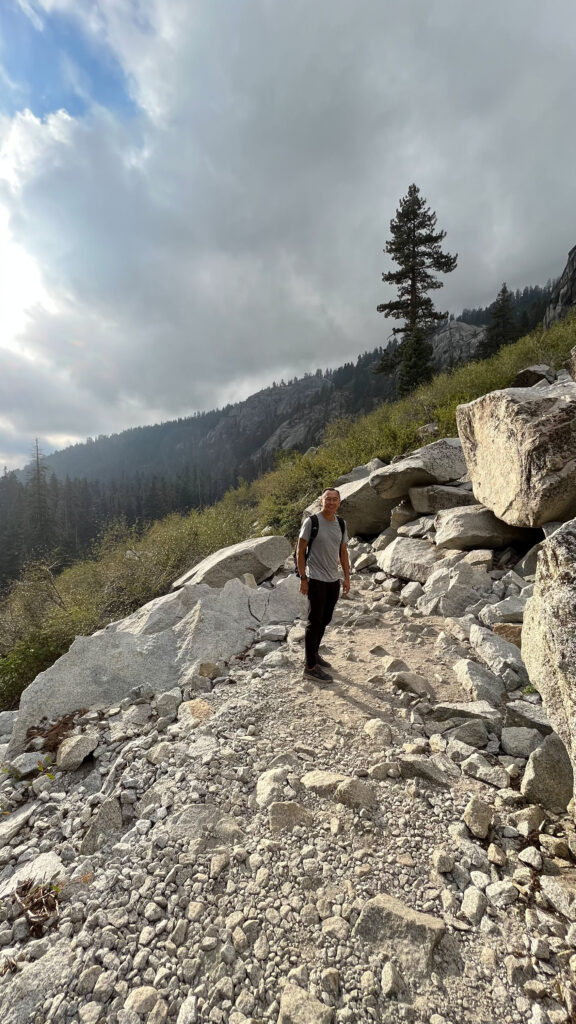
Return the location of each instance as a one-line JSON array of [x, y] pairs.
[[502, 329], [415, 247]]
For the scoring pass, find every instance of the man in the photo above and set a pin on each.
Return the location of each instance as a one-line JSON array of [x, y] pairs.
[[319, 578]]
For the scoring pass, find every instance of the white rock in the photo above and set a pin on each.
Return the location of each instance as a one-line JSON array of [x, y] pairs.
[[260, 556], [519, 445], [435, 463]]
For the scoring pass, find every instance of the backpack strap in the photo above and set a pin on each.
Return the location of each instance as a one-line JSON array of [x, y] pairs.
[[313, 533]]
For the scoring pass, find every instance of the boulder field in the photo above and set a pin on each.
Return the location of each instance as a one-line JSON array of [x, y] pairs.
[[193, 833]]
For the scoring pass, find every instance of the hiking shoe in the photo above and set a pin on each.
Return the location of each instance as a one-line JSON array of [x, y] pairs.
[[318, 674], [322, 661]]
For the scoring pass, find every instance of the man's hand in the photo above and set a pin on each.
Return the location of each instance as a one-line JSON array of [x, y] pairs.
[[346, 586], [304, 585]]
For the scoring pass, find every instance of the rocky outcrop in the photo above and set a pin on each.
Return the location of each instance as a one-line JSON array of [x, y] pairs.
[[563, 298], [260, 556], [438, 462], [549, 636], [520, 449], [455, 342], [158, 647]]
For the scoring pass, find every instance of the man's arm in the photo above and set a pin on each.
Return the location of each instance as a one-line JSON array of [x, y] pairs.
[[345, 563], [301, 562]]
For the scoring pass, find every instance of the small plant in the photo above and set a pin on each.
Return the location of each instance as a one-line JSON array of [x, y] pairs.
[[39, 903], [44, 767], [529, 689]]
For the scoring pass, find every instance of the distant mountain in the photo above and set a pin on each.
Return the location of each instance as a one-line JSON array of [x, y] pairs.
[[60, 503], [215, 448]]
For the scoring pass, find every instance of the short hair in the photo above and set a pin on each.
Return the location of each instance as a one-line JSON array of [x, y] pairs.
[[331, 489]]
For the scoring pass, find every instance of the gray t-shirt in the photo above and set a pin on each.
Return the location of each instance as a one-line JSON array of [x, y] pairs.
[[325, 554]]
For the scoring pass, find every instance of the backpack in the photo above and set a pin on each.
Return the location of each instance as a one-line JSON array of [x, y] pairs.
[[313, 535]]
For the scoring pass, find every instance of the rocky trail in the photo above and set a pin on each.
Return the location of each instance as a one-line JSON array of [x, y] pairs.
[[276, 850], [192, 833]]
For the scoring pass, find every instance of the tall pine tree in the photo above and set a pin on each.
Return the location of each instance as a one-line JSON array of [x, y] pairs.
[[415, 247], [502, 329]]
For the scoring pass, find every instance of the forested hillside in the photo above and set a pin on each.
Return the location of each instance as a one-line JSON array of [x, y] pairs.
[[59, 505]]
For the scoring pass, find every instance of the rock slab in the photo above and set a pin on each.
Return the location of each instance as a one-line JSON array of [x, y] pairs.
[[403, 933]]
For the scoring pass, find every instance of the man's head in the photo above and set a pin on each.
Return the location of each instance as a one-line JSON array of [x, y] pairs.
[[330, 501]]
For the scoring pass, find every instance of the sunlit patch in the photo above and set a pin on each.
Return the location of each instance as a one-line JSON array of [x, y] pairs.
[[21, 288]]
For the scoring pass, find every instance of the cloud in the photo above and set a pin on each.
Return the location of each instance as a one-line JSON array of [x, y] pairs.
[[231, 230]]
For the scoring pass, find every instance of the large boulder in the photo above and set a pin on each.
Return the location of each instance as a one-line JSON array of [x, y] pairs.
[[157, 646], [435, 463], [363, 509], [409, 559], [475, 527], [549, 634], [261, 556], [520, 447]]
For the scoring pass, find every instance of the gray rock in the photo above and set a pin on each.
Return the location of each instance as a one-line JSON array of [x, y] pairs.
[[410, 593], [548, 636], [378, 731], [478, 817], [435, 497], [24, 994], [480, 768], [410, 682], [391, 981], [474, 526], [509, 610], [438, 462], [473, 733], [560, 891], [10, 827], [355, 793], [299, 1007], [451, 589], [107, 823], [73, 750], [416, 766], [522, 714], [260, 556], [384, 539], [401, 932], [47, 867], [501, 657], [478, 709], [7, 719], [474, 905], [323, 783], [165, 640], [502, 894], [519, 445], [532, 375], [520, 742], [409, 559], [548, 778], [287, 814], [481, 684]]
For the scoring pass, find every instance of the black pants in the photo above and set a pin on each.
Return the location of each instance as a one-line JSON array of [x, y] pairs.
[[322, 598]]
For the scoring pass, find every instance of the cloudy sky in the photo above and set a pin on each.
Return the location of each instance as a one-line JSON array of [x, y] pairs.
[[195, 194]]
